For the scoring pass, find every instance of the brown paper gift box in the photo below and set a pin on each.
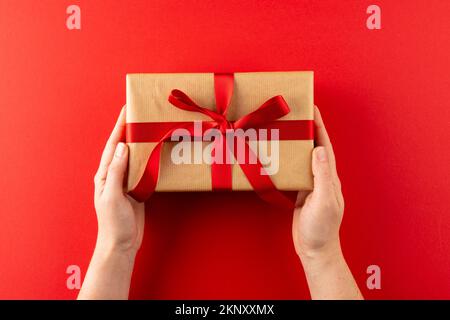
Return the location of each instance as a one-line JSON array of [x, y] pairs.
[[147, 102]]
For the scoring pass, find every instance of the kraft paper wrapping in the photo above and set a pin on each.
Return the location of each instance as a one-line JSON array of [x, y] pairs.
[[147, 102]]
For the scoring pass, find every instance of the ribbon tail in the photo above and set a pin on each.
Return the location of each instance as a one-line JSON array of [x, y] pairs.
[[147, 183], [261, 182]]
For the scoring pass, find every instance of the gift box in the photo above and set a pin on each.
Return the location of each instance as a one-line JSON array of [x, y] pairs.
[[159, 103]]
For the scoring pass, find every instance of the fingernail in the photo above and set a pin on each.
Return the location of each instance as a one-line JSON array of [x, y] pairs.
[[120, 150], [321, 154]]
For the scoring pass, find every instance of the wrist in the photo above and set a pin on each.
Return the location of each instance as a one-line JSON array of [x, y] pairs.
[[329, 253], [106, 250], [109, 274]]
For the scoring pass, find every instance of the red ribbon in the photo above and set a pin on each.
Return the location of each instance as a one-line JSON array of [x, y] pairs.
[[263, 117]]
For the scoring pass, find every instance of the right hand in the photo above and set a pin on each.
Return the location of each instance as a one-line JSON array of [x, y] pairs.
[[318, 215]]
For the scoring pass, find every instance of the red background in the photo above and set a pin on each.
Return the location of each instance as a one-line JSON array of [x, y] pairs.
[[384, 95]]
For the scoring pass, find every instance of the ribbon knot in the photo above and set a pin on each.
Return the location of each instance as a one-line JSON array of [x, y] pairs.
[[182, 101]]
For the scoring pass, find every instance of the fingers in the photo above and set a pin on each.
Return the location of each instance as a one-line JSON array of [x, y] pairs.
[[117, 169], [323, 179], [322, 139], [111, 144]]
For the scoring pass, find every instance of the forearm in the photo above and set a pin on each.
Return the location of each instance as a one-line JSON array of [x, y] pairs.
[[328, 275], [108, 275]]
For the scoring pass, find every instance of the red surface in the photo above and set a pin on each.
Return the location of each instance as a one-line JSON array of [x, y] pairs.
[[384, 96]]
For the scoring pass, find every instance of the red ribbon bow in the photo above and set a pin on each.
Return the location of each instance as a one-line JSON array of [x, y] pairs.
[[221, 173]]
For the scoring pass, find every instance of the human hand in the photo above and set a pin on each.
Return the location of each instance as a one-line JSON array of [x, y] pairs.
[[120, 225], [315, 228], [120, 218], [318, 215]]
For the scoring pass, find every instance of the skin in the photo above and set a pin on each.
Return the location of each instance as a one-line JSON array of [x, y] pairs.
[[120, 225], [315, 227]]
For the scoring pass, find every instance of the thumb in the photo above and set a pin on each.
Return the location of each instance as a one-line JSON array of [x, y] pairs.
[[117, 168], [323, 184]]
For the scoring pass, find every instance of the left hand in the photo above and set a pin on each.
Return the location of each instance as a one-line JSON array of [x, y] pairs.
[[120, 218]]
